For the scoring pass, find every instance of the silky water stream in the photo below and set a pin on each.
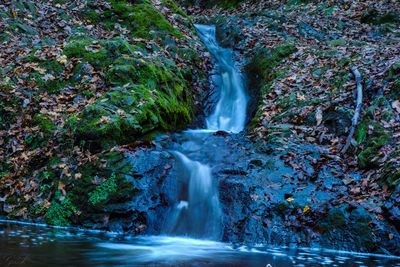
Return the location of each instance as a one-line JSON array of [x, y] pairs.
[[198, 213], [194, 224]]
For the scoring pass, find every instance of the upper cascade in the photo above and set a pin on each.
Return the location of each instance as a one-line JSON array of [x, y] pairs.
[[230, 112]]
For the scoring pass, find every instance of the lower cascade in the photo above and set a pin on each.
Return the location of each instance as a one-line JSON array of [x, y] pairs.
[[197, 213]]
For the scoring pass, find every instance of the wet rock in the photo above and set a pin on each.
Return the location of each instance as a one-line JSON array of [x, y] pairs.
[[338, 121]]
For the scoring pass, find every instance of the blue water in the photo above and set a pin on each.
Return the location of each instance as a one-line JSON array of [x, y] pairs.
[[33, 245]]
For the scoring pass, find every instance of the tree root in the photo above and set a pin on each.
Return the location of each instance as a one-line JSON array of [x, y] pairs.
[[356, 117]]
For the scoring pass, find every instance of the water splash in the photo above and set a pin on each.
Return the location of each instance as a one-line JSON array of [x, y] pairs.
[[198, 213]]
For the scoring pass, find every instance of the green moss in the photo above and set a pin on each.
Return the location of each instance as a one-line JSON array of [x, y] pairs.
[[17, 26], [89, 52], [371, 134], [34, 141], [340, 78], [95, 191], [140, 17], [395, 90], [265, 60], [47, 83], [394, 71], [46, 125], [226, 4], [338, 42], [372, 16], [292, 103], [171, 5], [12, 200], [297, 2], [336, 218], [281, 208], [150, 95], [103, 191], [52, 67], [60, 211]]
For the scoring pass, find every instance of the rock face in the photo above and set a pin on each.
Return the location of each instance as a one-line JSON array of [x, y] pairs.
[[263, 199]]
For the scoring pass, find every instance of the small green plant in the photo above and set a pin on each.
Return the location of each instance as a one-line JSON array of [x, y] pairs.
[[103, 191], [60, 211]]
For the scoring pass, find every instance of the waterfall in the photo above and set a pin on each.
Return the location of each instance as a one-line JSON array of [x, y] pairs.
[[230, 112], [197, 213]]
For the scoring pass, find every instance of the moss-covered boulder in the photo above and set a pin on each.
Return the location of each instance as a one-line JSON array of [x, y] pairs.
[[138, 16], [125, 114], [148, 94]]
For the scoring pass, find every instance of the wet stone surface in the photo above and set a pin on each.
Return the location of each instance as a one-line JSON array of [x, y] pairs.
[[263, 198]]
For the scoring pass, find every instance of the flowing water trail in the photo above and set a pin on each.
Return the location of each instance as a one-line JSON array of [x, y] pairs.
[[197, 213], [230, 112]]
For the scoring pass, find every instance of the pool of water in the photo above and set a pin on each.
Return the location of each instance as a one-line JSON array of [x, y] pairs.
[[39, 245]]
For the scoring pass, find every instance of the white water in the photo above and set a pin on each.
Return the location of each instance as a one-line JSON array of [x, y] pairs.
[[197, 213], [230, 112], [27, 244]]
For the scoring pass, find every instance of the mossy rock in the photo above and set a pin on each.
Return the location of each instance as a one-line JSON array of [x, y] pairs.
[[89, 51], [125, 114], [372, 142], [352, 225], [46, 125], [394, 71], [148, 94], [94, 192], [371, 135], [140, 17], [264, 60], [336, 218], [395, 90], [372, 16]]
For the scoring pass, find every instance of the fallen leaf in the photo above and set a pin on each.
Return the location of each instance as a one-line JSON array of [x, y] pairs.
[[306, 208], [61, 185], [396, 105], [62, 59]]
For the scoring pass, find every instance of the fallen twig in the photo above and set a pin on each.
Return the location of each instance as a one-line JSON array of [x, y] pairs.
[[354, 120]]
